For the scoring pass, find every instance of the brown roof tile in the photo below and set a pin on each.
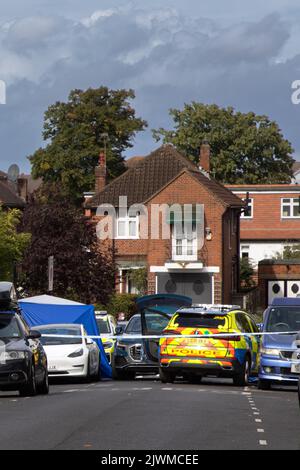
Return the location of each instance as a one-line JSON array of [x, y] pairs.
[[151, 174]]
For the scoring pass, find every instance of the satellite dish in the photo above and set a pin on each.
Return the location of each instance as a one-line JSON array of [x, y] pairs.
[[13, 173]]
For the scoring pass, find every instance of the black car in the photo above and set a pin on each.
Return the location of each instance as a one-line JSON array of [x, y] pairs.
[[23, 362], [135, 355]]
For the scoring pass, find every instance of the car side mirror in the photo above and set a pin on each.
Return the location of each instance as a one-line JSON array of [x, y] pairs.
[[119, 330], [260, 326], [89, 341], [33, 334]]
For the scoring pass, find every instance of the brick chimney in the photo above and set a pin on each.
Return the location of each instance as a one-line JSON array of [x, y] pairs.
[[204, 157], [100, 173]]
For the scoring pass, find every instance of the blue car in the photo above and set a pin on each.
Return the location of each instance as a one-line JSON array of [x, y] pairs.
[[133, 355], [278, 350]]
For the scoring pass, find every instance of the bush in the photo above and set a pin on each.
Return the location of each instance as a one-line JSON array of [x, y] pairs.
[[120, 303]]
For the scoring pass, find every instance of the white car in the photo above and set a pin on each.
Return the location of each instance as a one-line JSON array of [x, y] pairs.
[[70, 357]]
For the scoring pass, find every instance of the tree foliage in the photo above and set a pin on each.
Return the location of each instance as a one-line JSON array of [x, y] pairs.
[[245, 147], [289, 252], [81, 271], [74, 133], [246, 273], [12, 243]]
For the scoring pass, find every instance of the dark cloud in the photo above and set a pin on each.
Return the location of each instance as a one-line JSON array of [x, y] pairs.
[[167, 57]]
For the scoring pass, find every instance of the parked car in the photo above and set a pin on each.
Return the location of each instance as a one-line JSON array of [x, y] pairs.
[[235, 357], [133, 354], [107, 328], [73, 354], [23, 361], [276, 366]]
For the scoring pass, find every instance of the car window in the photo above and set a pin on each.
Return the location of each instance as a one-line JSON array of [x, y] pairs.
[[283, 319], [194, 320], [134, 325], [156, 322], [64, 331], [242, 322], [9, 327], [253, 325], [103, 325]]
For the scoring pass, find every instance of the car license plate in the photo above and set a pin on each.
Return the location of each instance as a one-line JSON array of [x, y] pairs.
[[295, 369], [52, 368]]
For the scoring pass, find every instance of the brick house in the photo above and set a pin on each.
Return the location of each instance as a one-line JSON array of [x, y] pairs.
[[9, 195], [271, 221], [177, 264]]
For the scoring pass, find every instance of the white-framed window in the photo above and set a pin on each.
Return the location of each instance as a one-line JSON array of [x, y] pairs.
[[248, 213], [127, 226], [245, 250], [184, 245], [290, 208]]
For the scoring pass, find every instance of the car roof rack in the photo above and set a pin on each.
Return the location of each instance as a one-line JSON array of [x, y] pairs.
[[203, 308]]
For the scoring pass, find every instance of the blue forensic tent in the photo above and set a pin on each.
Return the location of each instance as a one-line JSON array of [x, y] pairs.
[[45, 310]]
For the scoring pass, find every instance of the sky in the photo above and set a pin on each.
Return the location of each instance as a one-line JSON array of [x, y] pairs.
[[232, 53]]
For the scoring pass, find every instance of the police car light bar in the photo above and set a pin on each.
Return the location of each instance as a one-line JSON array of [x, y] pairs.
[[221, 307]]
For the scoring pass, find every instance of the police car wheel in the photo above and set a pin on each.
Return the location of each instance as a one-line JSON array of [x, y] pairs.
[[242, 377], [43, 388], [166, 376]]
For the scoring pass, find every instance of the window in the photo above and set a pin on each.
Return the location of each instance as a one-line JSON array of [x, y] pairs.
[[290, 208], [245, 249], [184, 245], [127, 226], [248, 213], [243, 323]]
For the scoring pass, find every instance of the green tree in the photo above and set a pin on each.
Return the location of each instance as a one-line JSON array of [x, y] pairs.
[[82, 271], [289, 252], [12, 243], [75, 133], [139, 278], [245, 147], [246, 273]]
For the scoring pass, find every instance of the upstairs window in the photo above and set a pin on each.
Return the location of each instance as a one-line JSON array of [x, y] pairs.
[[184, 245], [290, 208], [248, 213], [127, 226]]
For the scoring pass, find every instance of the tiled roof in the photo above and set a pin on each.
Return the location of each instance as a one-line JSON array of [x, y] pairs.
[[151, 174], [296, 167], [8, 197]]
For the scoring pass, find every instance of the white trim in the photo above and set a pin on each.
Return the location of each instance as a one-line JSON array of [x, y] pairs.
[[156, 283], [213, 289], [121, 280], [191, 267], [251, 205], [265, 192]]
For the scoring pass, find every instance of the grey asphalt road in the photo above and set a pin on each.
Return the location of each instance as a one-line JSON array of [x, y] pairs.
[[144, 414]]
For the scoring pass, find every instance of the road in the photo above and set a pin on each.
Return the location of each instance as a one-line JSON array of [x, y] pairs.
[[144, 414]]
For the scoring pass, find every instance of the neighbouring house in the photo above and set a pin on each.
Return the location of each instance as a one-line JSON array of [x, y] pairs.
[[296, 173], [15, 194], [177, 264], [271, 221]]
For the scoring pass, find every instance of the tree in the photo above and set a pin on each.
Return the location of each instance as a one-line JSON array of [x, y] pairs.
[[77, 131], [245, 147], [289, 252], [139, 278], [81, 271], [246, 273], [12, 243]]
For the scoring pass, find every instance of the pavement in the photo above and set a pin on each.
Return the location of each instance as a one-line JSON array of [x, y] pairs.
[[145, 414]]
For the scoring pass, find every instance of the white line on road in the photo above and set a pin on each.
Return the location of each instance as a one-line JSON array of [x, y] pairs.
[[260, 430], [263, 443]]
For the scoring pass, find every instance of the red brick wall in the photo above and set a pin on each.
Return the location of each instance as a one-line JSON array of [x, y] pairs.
[[269, 272], [267, 223]]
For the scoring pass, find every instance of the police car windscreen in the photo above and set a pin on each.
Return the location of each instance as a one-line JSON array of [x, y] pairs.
[[191, 320]]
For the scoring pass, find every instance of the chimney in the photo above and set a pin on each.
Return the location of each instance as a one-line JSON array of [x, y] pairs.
[[204, 158], [100, 173]]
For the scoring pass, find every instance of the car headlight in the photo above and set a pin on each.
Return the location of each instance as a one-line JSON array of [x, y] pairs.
[[13, 355], [77, 353], [270, 352], [108, 344]]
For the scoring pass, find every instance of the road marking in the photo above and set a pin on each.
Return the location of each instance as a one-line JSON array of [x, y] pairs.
[[256, 413], [260, 430], [258, 420], [166, 388], [263, 443]]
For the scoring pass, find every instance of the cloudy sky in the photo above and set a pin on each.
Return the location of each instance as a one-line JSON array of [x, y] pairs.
[[233, 52]]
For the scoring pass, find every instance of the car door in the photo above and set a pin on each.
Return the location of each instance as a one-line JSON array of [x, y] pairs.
[[256, 342], [251, 343], [93, 351], [153, 324]]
